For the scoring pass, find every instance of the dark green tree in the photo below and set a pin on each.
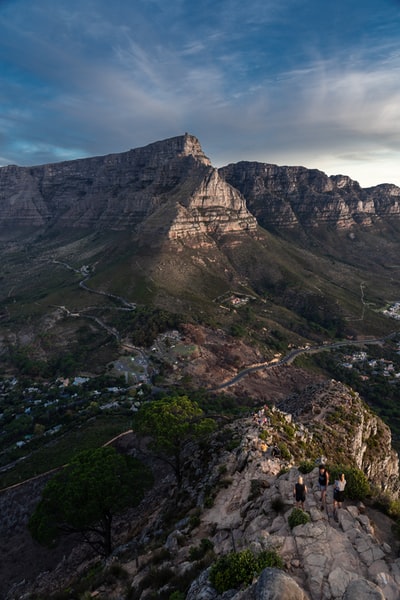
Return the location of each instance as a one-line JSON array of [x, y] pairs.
[[86, 495], [172, 423]]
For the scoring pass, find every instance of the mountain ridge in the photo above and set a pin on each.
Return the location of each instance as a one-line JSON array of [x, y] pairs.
[[162, 227], [171, 183], [124, 190]]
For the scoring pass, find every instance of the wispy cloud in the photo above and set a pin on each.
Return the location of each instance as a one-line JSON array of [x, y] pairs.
[[289, 83]]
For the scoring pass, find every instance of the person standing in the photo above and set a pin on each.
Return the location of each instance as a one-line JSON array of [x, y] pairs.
[[338, 493], [323, 482], [299, 492]]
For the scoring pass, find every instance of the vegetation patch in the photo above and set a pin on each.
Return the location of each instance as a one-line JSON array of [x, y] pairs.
[[238, 569], [357, 486], [198, 552], [298, 517], [306, 466]]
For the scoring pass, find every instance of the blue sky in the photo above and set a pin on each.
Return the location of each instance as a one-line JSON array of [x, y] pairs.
[[294, 82]]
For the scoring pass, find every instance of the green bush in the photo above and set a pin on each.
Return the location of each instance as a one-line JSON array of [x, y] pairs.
[[285, 453], [289, 430], [283, 471], [396, 529], [194, 519], [256, 488], [161, 556], [387, 504], [298, 517], [306, 466], [177, 596], [239, 568], [357, 486]]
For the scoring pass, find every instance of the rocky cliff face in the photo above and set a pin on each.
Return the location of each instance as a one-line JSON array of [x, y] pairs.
[[347, 430], [168, 188], [295, 196]]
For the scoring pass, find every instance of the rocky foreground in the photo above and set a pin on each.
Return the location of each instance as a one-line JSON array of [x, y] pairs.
[[238, 495], [324, 559]]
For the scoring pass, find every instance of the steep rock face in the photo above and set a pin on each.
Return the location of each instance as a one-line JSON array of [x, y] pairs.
[[292, 196], [349, 430], [171, 183], [169, 188]]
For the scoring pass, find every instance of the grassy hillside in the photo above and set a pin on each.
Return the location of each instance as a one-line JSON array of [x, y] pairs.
[[325, 286]]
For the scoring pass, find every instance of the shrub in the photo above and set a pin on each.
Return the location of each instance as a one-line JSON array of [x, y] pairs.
[[394, 509], [232, 444], [194, 519], [283, 471], [289, 430], [277, 504], [298, 517], [157, 578], [225, 482], [306, 466], [357, 486], [177, 596], [285, 454], [208, 501], [387, 504], [198, 552], [396, 529], [239, 568], [161, 556], [256, 488]]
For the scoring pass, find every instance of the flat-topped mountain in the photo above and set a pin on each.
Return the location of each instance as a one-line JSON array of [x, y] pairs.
[[249, 248], [170, 188]]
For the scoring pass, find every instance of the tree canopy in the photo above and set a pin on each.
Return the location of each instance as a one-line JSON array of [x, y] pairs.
[[86, 495], [171, 423]]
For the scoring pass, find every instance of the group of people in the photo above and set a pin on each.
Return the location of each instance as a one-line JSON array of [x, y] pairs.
[[300, 489], [261, 417]]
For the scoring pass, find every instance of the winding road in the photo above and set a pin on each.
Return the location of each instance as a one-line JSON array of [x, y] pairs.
[[289, 358]]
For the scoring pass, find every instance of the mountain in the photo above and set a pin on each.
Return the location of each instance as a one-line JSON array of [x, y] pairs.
[[313, 256], [173, 184], [167, 188], [289, 197], [102, 257]]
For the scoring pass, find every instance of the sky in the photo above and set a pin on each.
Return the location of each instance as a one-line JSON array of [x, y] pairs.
[[293, 82]]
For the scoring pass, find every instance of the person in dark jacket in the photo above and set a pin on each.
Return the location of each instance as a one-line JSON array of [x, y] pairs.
[[299, 492], [323, 482]]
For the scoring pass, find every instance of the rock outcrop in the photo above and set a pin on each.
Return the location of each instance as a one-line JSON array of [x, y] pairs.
[[348, 430], [170, 189], [240, 496], [325, 559], [287, 197], [167, 189]]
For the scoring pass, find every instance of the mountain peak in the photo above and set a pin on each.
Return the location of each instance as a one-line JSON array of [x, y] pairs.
[[179, 146]]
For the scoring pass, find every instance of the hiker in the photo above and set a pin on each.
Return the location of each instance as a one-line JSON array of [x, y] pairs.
[[275, 452], [338, 493], [299, 492], [323, 482]]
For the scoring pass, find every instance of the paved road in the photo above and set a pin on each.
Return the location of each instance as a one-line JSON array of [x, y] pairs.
[[289, 358]]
